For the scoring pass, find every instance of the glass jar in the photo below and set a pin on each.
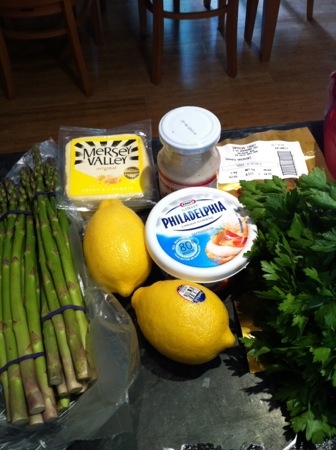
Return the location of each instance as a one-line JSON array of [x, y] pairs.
[[189, 156]]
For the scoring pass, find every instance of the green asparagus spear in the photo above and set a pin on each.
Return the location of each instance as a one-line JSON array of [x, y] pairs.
[[54, 264], [63, 404], [17, 403], [3, 355], [32, 307], [54, 364], [62, 389], [36, 420], [52, 300], [60, 228], [59, 326], [34, 397]]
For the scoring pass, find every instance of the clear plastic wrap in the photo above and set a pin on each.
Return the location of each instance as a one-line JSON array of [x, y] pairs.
[[103, 410], [100, 164]]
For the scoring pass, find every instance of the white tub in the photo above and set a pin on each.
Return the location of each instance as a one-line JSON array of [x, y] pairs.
[[200, 234]]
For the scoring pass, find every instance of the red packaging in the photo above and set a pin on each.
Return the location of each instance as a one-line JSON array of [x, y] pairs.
[[330, 127]]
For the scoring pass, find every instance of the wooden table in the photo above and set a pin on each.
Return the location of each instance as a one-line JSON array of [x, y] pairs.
[[218, 405]]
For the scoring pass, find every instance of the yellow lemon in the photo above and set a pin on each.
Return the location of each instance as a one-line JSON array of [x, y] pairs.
[[114, 248], [183, 320]]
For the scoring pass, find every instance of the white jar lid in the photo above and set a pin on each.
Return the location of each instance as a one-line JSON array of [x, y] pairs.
[[189, 130], [199, 234]]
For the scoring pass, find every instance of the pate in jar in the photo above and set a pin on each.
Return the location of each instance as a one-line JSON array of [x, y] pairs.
[[189, 156]]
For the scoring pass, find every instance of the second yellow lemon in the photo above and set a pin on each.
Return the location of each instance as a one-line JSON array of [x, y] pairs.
[[114, 248], [183, 320]]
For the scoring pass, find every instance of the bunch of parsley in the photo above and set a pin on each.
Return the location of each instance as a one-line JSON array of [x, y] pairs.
[[296, 257]]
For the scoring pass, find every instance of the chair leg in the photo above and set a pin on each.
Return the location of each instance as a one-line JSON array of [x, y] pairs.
[[221, 19], [310, 9], [6, 69], [231, 37], [142, 17], [95, 13], [251, 13], [76, 47], [158, 35], [268, 26]]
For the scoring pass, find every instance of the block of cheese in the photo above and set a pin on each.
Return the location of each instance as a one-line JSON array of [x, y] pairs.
[[106, 167]]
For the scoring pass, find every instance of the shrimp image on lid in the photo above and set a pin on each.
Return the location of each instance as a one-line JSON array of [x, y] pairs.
[[227, 241]]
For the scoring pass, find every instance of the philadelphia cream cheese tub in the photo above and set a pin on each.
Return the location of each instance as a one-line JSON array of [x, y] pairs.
[[200, 234]]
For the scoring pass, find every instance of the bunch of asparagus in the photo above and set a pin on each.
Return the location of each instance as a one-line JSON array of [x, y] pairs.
[[45, 352]]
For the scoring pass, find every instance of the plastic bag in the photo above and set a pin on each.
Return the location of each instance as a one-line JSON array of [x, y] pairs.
[[103, 410], [99, 164]]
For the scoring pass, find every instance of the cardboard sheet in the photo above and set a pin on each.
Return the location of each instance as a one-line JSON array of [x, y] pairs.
[[310, 148]]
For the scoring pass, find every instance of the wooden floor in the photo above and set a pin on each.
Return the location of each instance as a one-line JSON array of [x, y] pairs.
[[292, 87]]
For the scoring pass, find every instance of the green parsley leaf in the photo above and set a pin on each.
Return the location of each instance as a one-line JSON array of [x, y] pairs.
[[295, 284]]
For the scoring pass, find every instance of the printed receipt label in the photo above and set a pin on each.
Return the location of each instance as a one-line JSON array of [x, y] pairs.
[[260, 160]]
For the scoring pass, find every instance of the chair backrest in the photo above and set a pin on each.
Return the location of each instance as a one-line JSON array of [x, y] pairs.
[[39, 8], [27, 4], [29, 9], [21, 20]]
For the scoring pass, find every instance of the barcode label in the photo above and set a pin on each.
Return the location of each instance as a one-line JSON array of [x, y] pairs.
[[287, 164], [191, 293]]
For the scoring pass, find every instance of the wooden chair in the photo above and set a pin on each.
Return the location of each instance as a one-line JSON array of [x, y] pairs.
[[269, 20], [225, 8], [72, 14]]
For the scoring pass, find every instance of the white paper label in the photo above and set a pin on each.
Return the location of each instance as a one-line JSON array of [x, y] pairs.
[[261, 160]]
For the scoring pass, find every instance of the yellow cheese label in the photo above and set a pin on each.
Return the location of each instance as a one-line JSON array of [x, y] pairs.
[[99, 166]]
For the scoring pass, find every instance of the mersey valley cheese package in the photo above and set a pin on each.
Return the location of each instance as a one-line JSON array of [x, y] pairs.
[[101, 165]]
